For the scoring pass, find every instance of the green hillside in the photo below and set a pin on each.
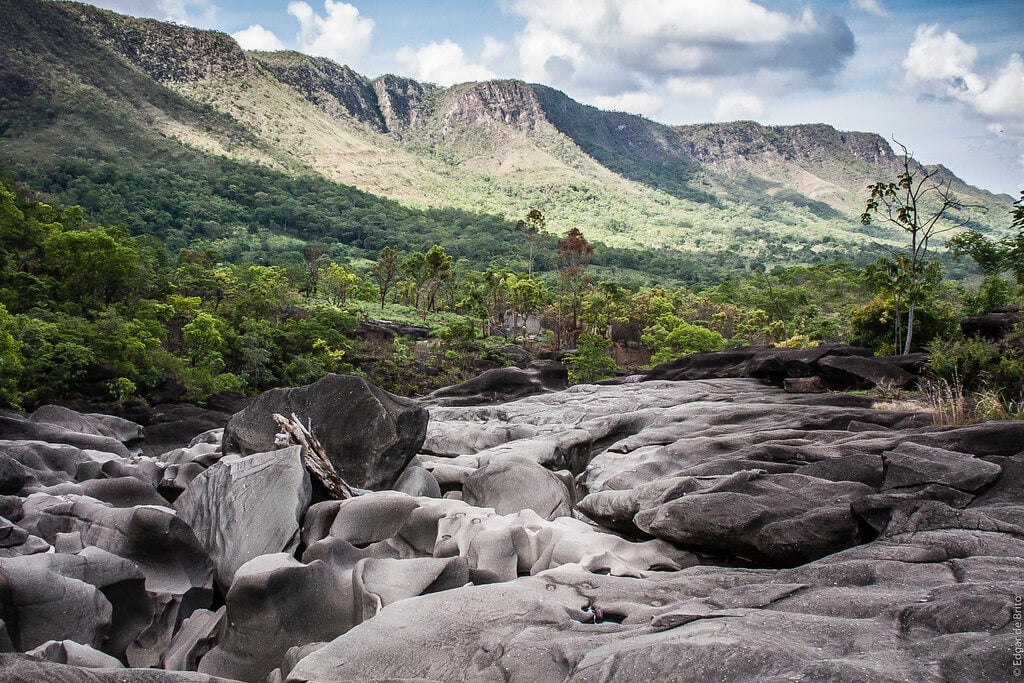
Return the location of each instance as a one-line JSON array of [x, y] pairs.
[[178, 133]]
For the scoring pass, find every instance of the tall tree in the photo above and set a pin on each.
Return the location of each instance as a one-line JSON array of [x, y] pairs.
[[415, 268], [440, 269], [338, 282], [385, 272], [531, 227], [526, 297], [314, 256], [922, 205], [574, 253]]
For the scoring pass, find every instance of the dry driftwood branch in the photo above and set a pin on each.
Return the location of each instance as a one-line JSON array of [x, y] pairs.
[[314, 457]]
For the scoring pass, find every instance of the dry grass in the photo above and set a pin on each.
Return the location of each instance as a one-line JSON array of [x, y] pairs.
[[952, 404]]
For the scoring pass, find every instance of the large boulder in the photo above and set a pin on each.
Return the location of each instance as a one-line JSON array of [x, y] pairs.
[[28, 669], [14, 426], [513, 485], [177, 570], [369, 435], [774, 519], [41, 604], [858, 372], [504, 384], [912, 464], [96, 424], [277, 603], [242, 508]]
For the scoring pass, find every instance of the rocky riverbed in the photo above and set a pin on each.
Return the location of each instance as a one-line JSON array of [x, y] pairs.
[[666, 529]]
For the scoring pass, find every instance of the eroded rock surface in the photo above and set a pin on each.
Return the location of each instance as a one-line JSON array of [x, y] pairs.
[[658, 530], [242, 508]]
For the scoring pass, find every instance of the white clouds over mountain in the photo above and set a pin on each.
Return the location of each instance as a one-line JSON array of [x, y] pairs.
[[940, 64], [612, 48], [258, 38], [443, 63], [341, 34], [738, 105]]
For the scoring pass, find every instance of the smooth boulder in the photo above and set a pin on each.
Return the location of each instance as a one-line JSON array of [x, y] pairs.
[[242, 508], [368, 434]]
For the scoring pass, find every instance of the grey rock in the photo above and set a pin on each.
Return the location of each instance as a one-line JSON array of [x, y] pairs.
[[197, 636], [877, 509], [120, 582], [13, 475], [122, 492], [277, 603], [512, 485], [39, 605], [15, 541], [369, 435], [242, 508], [96, 424], [24, 669], [849, 372], [380, 582], [177, 570], [805, 385], [780, 519], [51, 463], [360, 521], [16, 427], [503, 384], [913, 464], [75, 654], [417, 481]]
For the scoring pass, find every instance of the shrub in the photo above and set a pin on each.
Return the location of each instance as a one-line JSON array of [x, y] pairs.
[[591, 361], [672, 337]]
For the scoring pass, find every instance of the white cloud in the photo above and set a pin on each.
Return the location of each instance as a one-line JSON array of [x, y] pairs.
[[258, 38], [443, 63], [493, 49], [200, 13], [941, 65], [342, 34], [636, 102], [612, 50], [871, 7], [690, 88], [733, 106]]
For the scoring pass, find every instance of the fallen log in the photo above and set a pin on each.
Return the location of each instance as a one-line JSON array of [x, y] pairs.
[[313, 455]]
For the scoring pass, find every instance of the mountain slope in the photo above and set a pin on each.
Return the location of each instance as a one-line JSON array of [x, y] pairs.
[[90, 84]]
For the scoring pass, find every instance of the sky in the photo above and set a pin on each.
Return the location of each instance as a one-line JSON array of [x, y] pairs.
[[943, 77]]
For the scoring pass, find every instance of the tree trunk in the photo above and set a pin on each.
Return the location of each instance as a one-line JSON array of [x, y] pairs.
[[910, 328]]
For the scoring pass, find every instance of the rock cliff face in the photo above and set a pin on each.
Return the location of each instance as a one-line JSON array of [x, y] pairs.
[[167, 52], [401, 100], [336, 89], [713, 528], [507, 103], [716, 143]]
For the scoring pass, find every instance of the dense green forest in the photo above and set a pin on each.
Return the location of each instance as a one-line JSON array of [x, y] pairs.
[[246, 212], [253, 283]]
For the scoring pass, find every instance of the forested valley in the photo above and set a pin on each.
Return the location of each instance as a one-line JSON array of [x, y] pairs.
[[95, 306]]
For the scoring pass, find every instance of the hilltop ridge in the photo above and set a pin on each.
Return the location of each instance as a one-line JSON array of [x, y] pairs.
[[87, 83]]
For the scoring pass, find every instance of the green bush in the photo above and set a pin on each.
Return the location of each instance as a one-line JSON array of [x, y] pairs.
[[591, 361], [966, 361], [671, 337]]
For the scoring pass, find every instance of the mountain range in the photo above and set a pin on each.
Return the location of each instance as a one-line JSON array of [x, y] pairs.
[[80, 86]]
